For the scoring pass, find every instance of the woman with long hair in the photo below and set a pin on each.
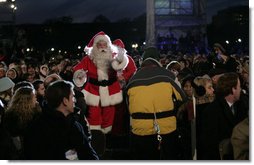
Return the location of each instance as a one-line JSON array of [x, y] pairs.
[[21, 110]]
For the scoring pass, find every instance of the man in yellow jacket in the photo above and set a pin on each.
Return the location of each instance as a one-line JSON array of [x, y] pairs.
[[152, 93]]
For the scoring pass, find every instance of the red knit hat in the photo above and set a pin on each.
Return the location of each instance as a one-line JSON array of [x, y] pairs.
[[119, 43], [97, 37]]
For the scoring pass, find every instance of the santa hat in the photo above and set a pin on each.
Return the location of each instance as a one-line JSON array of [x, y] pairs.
[[97, 37], [119, 43]]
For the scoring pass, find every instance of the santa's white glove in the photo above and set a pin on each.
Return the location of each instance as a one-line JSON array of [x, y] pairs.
[[120, 54], [79, 78], [121, 59]]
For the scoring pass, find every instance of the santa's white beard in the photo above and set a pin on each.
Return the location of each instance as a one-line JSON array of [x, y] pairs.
[[102, 59]]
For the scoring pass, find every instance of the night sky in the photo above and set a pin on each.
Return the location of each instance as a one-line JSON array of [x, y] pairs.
[[37, 11]]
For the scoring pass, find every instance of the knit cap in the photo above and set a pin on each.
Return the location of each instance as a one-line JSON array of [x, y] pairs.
[[151, 52], [219, 46], [5, 84]]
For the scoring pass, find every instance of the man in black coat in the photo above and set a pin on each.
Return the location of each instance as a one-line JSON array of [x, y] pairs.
[[220, 117], [58, 134]]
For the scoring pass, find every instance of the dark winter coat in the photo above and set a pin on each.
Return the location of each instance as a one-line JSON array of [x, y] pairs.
[[217, 124], [53, 134]]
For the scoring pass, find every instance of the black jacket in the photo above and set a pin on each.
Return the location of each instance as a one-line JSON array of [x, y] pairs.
[[217, 124], [52, 135]]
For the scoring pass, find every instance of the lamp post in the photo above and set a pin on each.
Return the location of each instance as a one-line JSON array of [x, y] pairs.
[[150, 23]]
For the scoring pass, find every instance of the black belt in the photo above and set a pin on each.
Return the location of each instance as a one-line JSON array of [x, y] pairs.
[[103, 82], [159, 115]]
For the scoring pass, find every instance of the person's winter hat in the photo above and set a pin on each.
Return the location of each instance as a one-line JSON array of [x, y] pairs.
[[3, 65], [188, 77], [119, 43], [5, 84], [151, 52], [174, 65], [42, 71], [14, 71], [220, 47], [97, 37]]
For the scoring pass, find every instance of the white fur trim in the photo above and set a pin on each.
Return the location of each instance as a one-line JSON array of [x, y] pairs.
[[107, 100], [106, 130], [79, 78], [95, 127], [91, 99], [104, 95], [120, 65], [102, 74], [116, 98], [88, 50], [103, 38]]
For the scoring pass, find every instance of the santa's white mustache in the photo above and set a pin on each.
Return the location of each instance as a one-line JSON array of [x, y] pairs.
[[103, 50]]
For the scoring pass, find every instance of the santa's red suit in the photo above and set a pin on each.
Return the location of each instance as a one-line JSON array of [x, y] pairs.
[[102, 91]]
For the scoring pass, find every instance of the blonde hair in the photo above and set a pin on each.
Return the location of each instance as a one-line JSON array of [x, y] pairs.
[[202, 80], [22, 104]]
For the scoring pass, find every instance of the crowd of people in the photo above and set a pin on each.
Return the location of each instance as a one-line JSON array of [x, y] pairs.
[[171, 107]]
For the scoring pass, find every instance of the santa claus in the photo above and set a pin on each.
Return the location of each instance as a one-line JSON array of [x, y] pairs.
[[102, 91]]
